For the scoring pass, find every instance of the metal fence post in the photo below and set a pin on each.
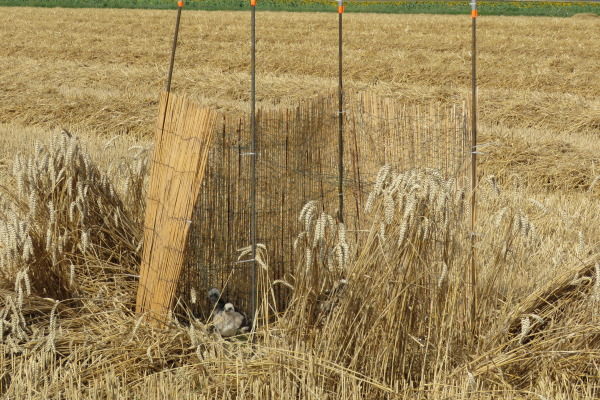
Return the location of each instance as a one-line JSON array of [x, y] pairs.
[[253, 163], [341, 117], [180, 4], [473, 171]]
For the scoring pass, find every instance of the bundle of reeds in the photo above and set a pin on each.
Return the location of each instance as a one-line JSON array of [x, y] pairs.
[[183, 136]]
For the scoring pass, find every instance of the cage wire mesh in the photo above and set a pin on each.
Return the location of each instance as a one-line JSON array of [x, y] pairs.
[[297, 161]]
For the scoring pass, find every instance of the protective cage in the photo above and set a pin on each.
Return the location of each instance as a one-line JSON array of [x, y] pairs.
[[297, 161]]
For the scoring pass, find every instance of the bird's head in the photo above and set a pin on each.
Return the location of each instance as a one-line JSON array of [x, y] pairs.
[[214, 294], [229, 308]]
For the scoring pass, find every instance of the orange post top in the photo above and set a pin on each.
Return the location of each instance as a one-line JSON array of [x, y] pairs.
[[340, 9], [473, 13], [180, 3], [252, 2]]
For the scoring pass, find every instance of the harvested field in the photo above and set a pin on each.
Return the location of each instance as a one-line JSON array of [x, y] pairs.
[[101, 69], [401, 329]]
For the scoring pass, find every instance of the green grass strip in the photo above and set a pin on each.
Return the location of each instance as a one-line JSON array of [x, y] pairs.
[[532, 8]]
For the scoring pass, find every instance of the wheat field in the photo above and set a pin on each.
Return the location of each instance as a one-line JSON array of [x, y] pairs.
[[102, 69], [79, 95]]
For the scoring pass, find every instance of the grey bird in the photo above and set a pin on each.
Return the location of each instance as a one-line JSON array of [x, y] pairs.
[[214, 295], [330, 299], [227, 321]]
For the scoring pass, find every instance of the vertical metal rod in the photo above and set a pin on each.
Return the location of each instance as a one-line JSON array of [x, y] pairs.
[[341, 117], [253, 165], [180, 4], [473, 171]]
